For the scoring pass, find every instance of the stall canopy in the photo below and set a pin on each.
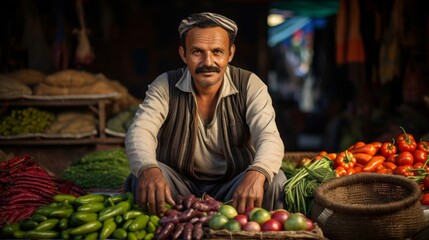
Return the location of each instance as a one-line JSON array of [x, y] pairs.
[[304, 13]]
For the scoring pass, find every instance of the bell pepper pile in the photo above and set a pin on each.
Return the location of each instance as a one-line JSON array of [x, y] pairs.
[[404, 155]]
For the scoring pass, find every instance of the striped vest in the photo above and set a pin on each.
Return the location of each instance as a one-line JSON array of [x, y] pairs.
[[177, 136]]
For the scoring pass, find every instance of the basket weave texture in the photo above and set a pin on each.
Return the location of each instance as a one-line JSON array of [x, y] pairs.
[[316, 233], [368, 206]]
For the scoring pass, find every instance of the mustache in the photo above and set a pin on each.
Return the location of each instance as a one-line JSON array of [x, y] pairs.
[[207, 69]]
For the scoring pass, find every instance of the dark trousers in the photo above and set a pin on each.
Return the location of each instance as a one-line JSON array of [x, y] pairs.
[[274, 197]]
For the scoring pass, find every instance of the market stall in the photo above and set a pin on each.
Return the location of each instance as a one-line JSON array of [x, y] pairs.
[[379, 186]]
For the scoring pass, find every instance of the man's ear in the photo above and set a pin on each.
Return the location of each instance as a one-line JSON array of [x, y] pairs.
[[231, 52], [182, 54]]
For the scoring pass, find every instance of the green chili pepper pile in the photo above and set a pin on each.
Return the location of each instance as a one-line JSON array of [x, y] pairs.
[[91, 216]]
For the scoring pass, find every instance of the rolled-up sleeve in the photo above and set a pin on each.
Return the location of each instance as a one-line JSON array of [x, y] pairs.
[[260, 117], [141, 138]]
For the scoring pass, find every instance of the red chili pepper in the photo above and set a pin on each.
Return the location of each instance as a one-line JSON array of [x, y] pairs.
[[405, 158], [423, 145], [406, 142], [374, 163], [356, 145], [425, 199], [326, 155], [362, 158], [403, 170], [369, 148], [384, 170], [377, 144], [389, 165], [345, 159], [388, 148], [420, 156]]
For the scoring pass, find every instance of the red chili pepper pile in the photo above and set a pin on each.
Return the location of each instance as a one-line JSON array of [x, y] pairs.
[[402, 156], [25, 186]]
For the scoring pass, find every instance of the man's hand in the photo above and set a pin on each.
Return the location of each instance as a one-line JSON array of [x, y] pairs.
[[250, 192], [153, 192]]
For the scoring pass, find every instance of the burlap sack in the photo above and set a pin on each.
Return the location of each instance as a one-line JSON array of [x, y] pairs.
[[70, 78], [72, 123], [100, 86], [27, 76], [11, 88]]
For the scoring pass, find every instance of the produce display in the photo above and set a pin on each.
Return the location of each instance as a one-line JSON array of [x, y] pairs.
[[122, 120], [302, 182], [404, 156], [25, 186], [90, 216], [100, 216], [25, 121], [106, 169]]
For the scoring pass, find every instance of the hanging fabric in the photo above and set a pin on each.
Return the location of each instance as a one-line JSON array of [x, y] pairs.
[[60, 54], [349, 44], [84, 53]]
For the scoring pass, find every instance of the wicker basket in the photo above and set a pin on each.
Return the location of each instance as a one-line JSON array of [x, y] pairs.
[[316, 233], [368, 206]]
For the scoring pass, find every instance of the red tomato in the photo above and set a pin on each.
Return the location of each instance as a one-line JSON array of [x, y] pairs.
[[423, 145], [425, 199], [405, 158], [406, 142], [271, 225], [252, 226], [403, 170], [388, 149], [310, 224], [242, 219], [280, 215], [392, 158], [420, 156]]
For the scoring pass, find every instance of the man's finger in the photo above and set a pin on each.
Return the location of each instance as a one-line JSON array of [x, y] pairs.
[[152, 202]]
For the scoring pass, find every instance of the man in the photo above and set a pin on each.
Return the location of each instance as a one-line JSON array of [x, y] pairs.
[[206, 128]]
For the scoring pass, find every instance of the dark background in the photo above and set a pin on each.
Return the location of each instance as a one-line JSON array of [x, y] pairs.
[[136, 40]]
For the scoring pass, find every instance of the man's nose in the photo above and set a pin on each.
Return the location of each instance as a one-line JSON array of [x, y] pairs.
[[208, 59]]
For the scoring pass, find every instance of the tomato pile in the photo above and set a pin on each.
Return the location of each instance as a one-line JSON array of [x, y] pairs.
[[404, 155], [257, 219]]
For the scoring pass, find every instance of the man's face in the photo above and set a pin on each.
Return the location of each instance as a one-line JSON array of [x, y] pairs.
[[207, 54]]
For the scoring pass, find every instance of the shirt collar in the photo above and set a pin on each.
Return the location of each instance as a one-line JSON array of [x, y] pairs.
[[228, 87]]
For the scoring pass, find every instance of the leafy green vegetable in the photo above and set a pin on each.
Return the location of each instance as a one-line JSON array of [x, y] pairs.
[[105, 169], [302, 182]]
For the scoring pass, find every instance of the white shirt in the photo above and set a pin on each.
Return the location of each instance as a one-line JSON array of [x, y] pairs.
[[210, 164]]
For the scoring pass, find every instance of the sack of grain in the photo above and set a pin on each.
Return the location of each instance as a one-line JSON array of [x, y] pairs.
[[72, 123], [27, 76], [70, 78], [11, 88]]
